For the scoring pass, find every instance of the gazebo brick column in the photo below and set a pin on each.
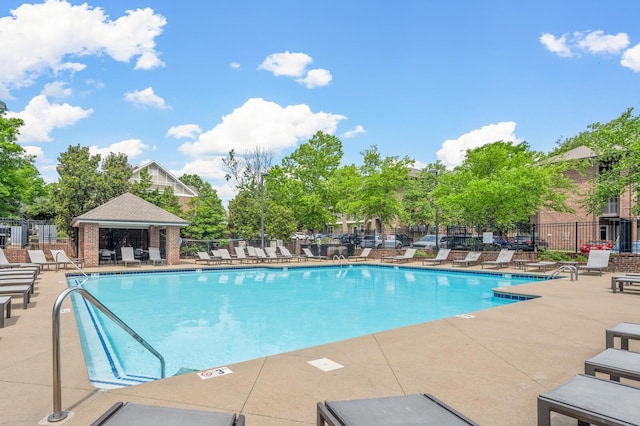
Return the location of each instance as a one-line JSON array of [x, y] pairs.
[[173, 245], [90, 243], [154, 236]]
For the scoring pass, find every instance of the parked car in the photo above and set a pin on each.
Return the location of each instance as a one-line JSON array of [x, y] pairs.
[[371, 241], [500, 242], [300, 236], [596, 245], [349, 238], [428, 242], [525, 243], [464, 242]]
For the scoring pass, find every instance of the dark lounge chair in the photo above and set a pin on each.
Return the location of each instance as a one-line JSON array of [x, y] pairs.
[[415, 409], [592, 400], [149, 415]]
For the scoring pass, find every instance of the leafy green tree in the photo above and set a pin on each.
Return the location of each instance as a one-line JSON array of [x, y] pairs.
[[244, 215], [166, 199], [20, 181], [500, 184], [84, 185], [381, 186], [617, 146], [417, 199], [206, 214], [278, 221], [303, 181]]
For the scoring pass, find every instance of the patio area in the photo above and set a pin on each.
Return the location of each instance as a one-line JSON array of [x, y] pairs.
[[490, 366]]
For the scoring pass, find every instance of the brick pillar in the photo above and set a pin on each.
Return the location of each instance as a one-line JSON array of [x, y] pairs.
[[89, 236], [173, 245], [154, 236]]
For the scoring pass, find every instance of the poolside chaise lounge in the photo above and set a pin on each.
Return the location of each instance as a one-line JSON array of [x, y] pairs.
[[618, 282], [4, 263], [225, 256], [362, 256], [128, 413], [310, 255], [592, 400], [154, 256], [504, 258], [598, 261], [441, 257], [543, 264], [242, 256], [472, 258], [61, 259], [273, 255], [23, 289], [624, 331], [286, 253], [128, 256], [203, 256], [38, 257], [261, 255], [407, 256], [414, 409], [616, 363]]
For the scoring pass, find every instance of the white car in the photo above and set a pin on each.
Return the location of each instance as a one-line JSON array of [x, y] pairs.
[[428, 242], [299, 236]]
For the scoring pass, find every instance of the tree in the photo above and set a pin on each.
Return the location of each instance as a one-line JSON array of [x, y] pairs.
[[380, 189], [20, 181], [500, 184], [166, 199], [303, 181], [83, 185], [417, 197], [244, 215], [206, 214]]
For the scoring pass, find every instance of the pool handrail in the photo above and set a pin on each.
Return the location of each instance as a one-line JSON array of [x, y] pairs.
[[58, 414]]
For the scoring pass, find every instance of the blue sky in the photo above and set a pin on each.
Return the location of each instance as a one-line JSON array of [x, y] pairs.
[[182, 83]]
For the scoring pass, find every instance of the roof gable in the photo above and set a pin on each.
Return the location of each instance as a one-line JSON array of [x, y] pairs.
[[162, 178], [129, 211]]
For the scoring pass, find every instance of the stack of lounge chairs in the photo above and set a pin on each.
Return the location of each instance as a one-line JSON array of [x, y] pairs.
[[594, 400]]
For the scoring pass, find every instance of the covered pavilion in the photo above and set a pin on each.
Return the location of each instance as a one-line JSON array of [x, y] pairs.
[[135, 221]]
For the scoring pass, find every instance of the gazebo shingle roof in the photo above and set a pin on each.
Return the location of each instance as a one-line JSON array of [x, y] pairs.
[[128, 210]]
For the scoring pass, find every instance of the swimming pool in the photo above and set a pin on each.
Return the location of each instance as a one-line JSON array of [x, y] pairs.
[[204, 318]]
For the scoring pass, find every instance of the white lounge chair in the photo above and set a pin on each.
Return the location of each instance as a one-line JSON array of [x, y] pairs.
[[598, 261], [273, 255], [38, 257], [504, 258], [287, 254], [242, 256], [362, 256], [128, 257], [441, 257], [154, 256], [261, 255], [310, 255], [61, 259], [472, 258], [407, 256], [4, 263], [203, 256]]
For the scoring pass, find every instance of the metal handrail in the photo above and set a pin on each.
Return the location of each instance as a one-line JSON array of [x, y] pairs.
[[340, 258], [58, 414], [72, 262], [572, 269]]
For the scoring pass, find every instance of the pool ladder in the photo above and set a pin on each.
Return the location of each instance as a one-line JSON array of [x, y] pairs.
[[340, 259], [572, 269], [58, 414]]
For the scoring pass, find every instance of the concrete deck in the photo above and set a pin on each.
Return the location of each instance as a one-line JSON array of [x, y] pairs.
[[490, 367]]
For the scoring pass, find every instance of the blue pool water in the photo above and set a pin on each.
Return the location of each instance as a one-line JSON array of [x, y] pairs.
[[201, 319]]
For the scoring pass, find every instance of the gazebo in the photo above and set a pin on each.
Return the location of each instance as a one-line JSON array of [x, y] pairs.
[[133, 218]]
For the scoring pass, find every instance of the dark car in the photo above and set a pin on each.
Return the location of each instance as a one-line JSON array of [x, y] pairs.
[[500, 242], [465, 242], [525, 243]]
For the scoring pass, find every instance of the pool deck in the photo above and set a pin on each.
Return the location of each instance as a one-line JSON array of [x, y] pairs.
[[490, 366]]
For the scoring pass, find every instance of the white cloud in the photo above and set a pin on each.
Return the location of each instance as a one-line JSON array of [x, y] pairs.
[[353, 132], [56, 89], [146, 97], [189, 131], [592, 42], [206, 169], [287, 64], [598, 42], [556, 45], [34, 151], [39, 38], [316, 78], [41, 117], [631, 58], [262, 123], [131, 147], [234, 65], [453, 152]]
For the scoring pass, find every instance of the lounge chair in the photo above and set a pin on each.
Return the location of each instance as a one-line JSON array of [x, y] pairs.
[[504, 258], [273, 255], [154, 256], [242, 256], [203, 256], [362, 256], [225, 256], [61, 259], [252, 253], [616, 363], [624, 331], [24, 289], [415, 409], [38, 257], [592, 400], [128, 413], [4, 263], [261, 255], [441, 257], [287, 254], [543, 264], [598, 261], [217, 256], [407, 256], [106, 256], [472, 258], [129, 257], [307, 252]]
